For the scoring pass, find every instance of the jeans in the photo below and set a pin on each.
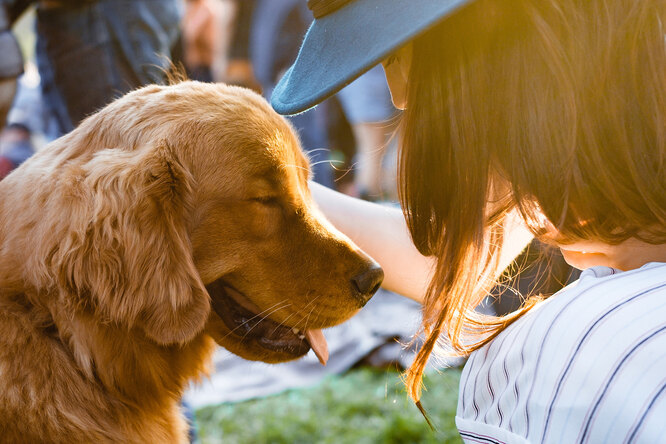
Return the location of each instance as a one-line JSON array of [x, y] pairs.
[[367, 99], [89, 55]]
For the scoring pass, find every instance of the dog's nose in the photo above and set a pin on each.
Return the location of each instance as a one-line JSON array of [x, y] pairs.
[[367, 283]]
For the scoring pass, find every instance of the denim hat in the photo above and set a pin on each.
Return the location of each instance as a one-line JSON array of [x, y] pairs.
[[347, 38]]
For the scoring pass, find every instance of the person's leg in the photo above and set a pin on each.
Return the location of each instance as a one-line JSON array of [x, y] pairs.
[[89, 55], [11, 66], [371, 141], [367, 106], [7, 92]]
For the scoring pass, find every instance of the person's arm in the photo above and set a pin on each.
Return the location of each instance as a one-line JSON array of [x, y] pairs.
[[381, 231], [222, 31]]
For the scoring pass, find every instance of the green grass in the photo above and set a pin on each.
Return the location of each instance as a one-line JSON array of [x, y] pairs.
[[362, 406]]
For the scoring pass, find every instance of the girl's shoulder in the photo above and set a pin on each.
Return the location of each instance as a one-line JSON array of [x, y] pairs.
[[585, 363]]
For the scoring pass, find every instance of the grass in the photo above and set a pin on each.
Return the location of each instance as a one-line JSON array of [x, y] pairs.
[[364, 406]]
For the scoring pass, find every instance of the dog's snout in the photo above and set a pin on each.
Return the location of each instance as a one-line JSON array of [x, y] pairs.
[[366, 283]]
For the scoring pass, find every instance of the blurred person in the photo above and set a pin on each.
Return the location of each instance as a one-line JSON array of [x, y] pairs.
[[15, 147], [368, 108], [239, 69], [92, 51], [30, 110], [207, 31]]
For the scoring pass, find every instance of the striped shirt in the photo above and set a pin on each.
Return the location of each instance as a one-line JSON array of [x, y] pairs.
[[588, 365]]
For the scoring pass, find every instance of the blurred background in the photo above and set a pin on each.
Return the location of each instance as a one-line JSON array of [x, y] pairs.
[[75, 56]]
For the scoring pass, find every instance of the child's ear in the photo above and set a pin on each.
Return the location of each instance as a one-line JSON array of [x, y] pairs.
[[135, 257]]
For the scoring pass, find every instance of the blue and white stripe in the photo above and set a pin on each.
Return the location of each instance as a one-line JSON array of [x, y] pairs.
[[588, 365]]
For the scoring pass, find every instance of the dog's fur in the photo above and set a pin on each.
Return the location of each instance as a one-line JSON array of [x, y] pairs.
[[112, 240]]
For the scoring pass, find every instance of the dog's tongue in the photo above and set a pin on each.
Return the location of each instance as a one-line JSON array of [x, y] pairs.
[[318, 343]]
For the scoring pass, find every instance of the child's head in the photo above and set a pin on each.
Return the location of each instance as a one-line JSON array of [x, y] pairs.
[[563, 99], [560, 102]]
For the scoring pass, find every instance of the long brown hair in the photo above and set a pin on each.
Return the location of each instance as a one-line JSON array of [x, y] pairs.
[[554, 108]]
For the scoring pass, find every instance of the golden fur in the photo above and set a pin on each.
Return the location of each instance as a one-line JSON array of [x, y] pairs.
[[115, 239]]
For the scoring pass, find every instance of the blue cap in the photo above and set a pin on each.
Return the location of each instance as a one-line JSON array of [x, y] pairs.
[[343, 43]]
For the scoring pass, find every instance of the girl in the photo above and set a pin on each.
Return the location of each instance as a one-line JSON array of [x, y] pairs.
[[550, 112]]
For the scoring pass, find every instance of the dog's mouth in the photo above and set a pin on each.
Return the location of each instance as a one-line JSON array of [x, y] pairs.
[[248, 323]]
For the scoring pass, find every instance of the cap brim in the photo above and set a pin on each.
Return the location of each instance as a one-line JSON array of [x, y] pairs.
[[341, 46]]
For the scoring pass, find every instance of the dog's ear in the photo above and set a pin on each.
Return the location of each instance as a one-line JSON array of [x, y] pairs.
[[133, 257]]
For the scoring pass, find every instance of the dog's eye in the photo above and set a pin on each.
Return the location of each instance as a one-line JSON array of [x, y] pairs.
[[266, 200]]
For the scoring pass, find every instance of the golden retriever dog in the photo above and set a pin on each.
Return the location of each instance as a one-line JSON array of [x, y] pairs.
[[176, 217]]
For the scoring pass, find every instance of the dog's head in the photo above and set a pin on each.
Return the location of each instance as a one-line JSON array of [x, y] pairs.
[[181, 198]]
